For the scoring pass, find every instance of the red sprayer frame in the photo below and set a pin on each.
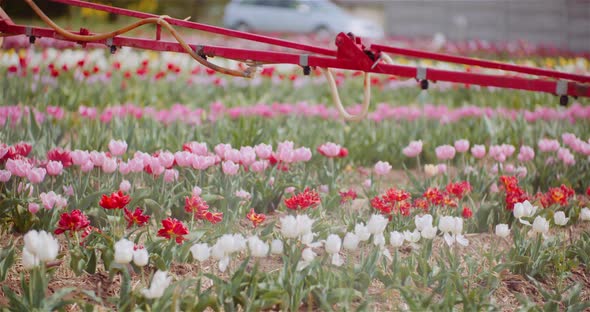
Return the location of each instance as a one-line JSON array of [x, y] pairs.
[[350, 54]]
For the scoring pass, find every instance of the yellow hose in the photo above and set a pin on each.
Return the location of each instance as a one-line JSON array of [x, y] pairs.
[[152, 20]]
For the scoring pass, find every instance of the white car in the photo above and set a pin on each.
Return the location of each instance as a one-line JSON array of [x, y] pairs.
[[321, 17]]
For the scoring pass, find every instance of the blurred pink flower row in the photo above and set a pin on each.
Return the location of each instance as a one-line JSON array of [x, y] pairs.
[[383, 112]]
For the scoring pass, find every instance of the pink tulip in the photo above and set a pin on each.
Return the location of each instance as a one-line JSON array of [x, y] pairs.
[[97, 158], [367, 183], [243, 195], [263, 151], [22, 188], [568, 138], [79, 157], [170, 175], [124, 186], [36, 175], [33, 208], [329, 149], [54, 168], [494, 188], [117, 147], [109, 165], [232, 154], [259, 166], [526, 153], [197, 191], [18, 167], [285, 154], [461, 146], [507, 150], [221, 148], [413, 149], [324, 188], [302, 154], [166, 159], [5, 175], [183, 159], [382, 168], [521, 171], [202, 162], [247, 155], [52, 200], [445, 152], [88, 166], [229, 167], [68, 190], [290, 190], [196, 148], [566, 156], [136, 165], [478, 151], [442, 168], [547, 145]]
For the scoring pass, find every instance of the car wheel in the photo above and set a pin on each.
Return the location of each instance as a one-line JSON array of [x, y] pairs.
[[242, 26]]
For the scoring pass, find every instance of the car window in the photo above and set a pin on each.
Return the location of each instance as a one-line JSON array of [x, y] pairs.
[[273, 3]]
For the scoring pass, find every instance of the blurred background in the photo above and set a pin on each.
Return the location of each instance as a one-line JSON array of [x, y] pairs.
[[561, 24]]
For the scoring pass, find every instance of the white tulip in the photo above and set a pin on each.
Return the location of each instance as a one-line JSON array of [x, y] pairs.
[[289, 227], [502, 230], [396, 239], [377, 224], [304, 224], [423, 221], [232, 243], [452, 227], [40, 247], [30, 260], [333, 244], [446, 224], [296, 227], [429, 232], [141, 257], [412, 237], [379, 240], [524, 210], [276, 246], [307, 238], [124, 251], [224, 263], [337, 260], [217, 251], [430, 170], [559, 218], [308, 255], [160, 282], [258, 248], [540, 225], [585, 214], [48, 247], [201, 252], [362, 232], [351, 241]]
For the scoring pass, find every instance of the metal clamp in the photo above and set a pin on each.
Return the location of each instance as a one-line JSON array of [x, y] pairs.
[[421, 73], [304, 60], [561, 87]]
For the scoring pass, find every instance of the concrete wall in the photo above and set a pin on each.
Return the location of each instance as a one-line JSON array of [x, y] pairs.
[[565, 23]]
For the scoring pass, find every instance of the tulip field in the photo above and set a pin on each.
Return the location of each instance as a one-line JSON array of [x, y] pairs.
[[144, 182]]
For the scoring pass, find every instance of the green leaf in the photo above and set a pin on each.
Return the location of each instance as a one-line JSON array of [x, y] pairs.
[[56, 300]]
